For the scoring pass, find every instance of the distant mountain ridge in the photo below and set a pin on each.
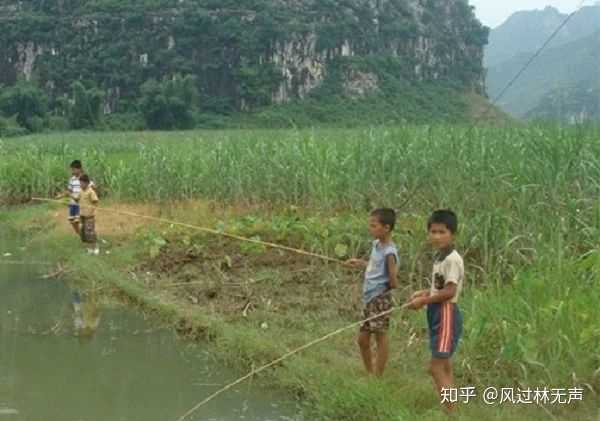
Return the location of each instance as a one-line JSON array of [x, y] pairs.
[[571, 60]]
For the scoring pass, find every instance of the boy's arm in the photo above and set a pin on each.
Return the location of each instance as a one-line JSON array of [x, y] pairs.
[[444, 295], [420, 293], [357, 263], [94, 197], [65, 193], [392, 265]]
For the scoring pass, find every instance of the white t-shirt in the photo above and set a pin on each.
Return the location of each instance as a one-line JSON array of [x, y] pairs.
[[448, 269], [74, 188]]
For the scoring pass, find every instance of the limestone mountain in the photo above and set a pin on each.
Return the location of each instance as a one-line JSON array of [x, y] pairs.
[[243, 55]]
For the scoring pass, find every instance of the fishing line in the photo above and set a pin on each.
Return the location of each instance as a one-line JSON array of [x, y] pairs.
[[533, 57]]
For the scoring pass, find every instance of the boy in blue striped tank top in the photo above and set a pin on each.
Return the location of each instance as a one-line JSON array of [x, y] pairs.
[[379, 280], [72, 192]]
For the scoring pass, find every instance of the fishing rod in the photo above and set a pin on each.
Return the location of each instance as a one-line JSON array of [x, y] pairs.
[[286, 356], [209, 231]]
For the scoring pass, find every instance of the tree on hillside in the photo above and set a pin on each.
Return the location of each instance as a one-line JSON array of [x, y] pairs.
[[27, 102], [86, 107], [169, 104]]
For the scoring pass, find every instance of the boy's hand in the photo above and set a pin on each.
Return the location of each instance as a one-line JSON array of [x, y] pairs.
[[356, 263], [416, 303], [422, 293]]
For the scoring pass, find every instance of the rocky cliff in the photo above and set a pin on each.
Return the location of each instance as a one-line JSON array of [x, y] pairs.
[[243, 54]]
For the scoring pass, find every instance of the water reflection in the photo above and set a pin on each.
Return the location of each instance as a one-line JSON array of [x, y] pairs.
[[66, 357], [86, 314]]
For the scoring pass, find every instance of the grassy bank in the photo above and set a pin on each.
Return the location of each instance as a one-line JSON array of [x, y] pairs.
[[530, 219], [537, 328]]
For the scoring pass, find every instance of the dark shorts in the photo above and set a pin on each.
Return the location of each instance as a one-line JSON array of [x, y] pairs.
[[88, 229], [374, 307], [445, 328], [73, 212]]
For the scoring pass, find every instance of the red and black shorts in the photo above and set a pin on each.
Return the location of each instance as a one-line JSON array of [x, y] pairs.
[[445, 328]]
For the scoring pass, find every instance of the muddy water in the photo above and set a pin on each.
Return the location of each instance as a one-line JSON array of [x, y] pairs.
[[65, 357]]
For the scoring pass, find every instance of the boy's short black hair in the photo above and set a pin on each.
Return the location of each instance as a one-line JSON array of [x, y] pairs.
[[445, 217], [76, 164], [385, 216], [84, 179]]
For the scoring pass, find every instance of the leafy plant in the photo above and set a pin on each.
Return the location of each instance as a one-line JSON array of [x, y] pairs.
[[169, 104], [154, 243], [27, 102], [86, 108]]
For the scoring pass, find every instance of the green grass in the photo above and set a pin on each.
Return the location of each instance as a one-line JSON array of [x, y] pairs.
[[530, 218], [521, 193]]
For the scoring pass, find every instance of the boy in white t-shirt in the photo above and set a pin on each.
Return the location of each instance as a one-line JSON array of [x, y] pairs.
[[73, 191], [444, 318]]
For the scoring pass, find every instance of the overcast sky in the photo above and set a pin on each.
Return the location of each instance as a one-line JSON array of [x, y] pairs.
[[493, 12]]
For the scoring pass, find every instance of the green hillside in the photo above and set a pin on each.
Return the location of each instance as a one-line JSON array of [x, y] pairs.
[[165, 64]]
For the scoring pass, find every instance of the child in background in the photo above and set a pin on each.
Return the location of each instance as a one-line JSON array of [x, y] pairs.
[[88, 200], [73, 190], [380, 278], [444, 318]]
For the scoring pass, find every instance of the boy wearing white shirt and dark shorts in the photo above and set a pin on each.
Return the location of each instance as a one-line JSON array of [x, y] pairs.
[[444, 318], [73, 191]]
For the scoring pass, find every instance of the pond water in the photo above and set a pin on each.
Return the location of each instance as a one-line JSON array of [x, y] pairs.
[[64, 357]]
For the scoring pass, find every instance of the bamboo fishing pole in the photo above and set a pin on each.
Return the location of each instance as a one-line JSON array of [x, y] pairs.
[[284, 357], [209, 231], [23, 263]]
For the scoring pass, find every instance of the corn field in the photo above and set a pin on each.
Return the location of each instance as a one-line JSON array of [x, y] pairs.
[[518, 188]]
